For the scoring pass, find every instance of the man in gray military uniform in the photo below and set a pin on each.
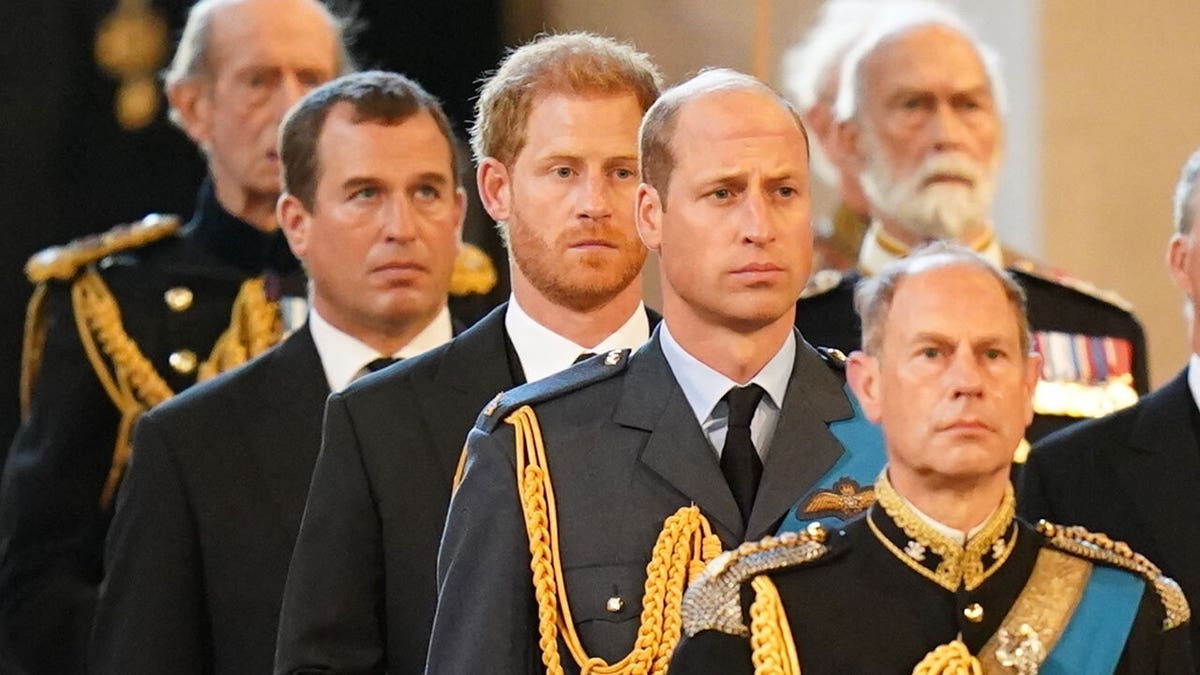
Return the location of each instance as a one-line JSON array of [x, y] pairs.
[[634, 467]]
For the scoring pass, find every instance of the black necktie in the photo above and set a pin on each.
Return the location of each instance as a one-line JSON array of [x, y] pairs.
[[380, 363], [583, 357], [739, 459]]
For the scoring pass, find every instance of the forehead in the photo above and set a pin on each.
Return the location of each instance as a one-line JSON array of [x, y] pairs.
[[582, 124], [959, 301], [414, 145], [724, 129], [272, 33], [928, 57]]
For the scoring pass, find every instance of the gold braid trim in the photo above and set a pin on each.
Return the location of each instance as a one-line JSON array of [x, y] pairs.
[[32, 344], [949, 659], [1098, 546], [255, 325], [773, 649], [132, 382], [685, 543]]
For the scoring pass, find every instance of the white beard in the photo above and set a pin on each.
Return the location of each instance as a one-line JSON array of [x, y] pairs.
[[941, 210]]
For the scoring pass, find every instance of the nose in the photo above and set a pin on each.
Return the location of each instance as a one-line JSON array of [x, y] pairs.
[[291, 90], [757, 227], [965, 374], [595, 199], [398, 222], [948, 129]]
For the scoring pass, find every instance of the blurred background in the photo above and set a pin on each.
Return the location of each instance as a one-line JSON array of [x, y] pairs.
[[1103, 108]]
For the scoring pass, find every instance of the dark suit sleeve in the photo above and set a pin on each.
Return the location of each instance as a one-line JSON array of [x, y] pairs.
[[712, 652], [150, 616], [486, 618], [51, 522], [1149, 649], [332, 616]]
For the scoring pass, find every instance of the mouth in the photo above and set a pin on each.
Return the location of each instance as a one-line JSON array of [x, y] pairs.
[[949, 179], [399, 271], [591, 244], [966, 425]]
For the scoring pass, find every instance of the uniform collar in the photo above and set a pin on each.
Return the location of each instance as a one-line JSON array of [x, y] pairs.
[[235, 241], [344, 356], [942, 559], [543, 352], [880, 248]]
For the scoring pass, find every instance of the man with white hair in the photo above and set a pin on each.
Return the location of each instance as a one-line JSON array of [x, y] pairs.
[[1135, 474], [919, 109]]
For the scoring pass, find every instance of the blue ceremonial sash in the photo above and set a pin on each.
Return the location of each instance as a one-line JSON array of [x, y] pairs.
[[862, 461], [1094, 638]]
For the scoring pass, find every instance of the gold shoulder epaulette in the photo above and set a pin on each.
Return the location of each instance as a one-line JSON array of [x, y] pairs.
[[474, 272], [1096, 546], [1062, 278], [63, 262], [713, 601], [822, 281]]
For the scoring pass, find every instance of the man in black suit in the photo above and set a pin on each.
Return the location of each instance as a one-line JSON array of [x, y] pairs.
[[919, 120], [205, 524], [1136, 473], [704, 438], [122, 321], [555, 138]]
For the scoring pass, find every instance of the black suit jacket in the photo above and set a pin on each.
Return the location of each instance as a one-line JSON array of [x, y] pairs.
[[1134, 475], [625, 453], [361, 591], [205, 522]]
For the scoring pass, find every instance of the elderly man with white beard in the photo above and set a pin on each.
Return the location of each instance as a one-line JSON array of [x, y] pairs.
[[919, 108]]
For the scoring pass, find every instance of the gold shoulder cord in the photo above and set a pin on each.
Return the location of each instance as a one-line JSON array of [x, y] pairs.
[[32, 344], [255, 325], [132, 383], [684, 545], [772, 647]]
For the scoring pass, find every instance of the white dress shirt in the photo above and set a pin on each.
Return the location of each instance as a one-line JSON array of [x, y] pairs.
[[704, 388], [345, 357], [544, 352]]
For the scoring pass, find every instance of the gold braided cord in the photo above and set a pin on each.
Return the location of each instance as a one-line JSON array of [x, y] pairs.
[[773, 649], [949, 659], [132, 383], [255, 325], [680, 552], [32, 344]]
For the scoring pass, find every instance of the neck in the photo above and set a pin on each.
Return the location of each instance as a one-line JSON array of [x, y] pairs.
[[387, 338], [255, 208], [585, 327], [737, 352], [956, 503]]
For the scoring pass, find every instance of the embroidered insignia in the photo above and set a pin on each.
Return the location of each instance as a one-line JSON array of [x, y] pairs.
[[915, 550], [999, 548], [846, 498], [493, 405], [613, 358], [1021, 649]]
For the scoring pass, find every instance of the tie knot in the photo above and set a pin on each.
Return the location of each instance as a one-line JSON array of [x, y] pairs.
[[743, 401], [380, 363]]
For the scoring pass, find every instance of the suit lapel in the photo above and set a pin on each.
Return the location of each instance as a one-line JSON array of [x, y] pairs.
[[676, 448], [803, 448], [1161, 471], [472, 370], [285, 439]]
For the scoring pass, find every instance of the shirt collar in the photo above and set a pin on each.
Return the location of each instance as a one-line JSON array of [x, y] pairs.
[[704, 387], [879, 249], [1193, 378], [343, 356], [543, 352]]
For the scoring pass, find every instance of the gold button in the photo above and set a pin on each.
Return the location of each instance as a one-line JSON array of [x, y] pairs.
[[973, 612], [183, 361], [614, 604], [179, 298]]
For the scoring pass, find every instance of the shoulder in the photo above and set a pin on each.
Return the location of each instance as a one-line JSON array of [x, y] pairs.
[[713, 601], [596, 369], [1098, 548], [63, 263], [1045, 281]]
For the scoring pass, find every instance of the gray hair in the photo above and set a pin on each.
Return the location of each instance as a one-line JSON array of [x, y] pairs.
[[1185, 194], [873, 296], [656, 156], [191, 56], [896, 21]]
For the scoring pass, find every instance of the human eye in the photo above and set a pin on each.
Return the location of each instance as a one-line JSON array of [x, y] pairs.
[[428, 193], [563, 172], [721, 194], [623, 173], [930, 352], [787, 191], [994, 354], [365, 193]]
